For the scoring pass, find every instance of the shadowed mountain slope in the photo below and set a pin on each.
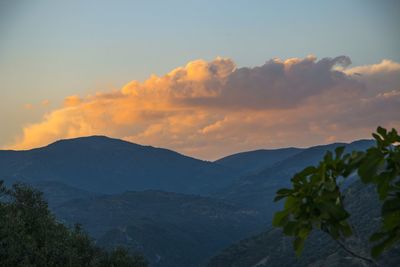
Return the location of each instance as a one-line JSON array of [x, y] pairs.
[[257, 160], [273, 249], [102, 164], [257, 191], [170, 229]]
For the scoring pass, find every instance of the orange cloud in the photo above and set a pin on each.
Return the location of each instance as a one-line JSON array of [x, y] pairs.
[[71, 101], [210, 109]]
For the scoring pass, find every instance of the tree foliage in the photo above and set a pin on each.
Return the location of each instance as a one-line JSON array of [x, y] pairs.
[[31, 236], [315, 200]]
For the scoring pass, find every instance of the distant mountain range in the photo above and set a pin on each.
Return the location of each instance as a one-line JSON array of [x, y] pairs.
[[177, 210]]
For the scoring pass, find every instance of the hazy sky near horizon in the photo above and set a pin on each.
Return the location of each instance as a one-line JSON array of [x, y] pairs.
[[66, 70]]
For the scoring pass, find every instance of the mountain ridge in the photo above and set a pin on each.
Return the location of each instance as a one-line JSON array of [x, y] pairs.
[[106, 165]]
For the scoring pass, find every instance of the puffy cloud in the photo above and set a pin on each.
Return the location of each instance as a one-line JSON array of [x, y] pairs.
[[379, 78], [210, 109], [385, 66], [71, 101]]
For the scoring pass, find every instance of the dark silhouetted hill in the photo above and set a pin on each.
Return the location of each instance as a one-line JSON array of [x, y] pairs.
[[105, 165]]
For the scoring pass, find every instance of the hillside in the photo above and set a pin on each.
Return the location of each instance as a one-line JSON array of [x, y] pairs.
[[257, 191], [105, 165], [170, 229], [56, 193], [272, 248], [257, 160]]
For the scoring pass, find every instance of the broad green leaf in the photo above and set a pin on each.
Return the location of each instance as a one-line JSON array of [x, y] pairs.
[[338, 212], [382, 131], [377, 236], [290, 202], [307, 171], [378, 138], [290, 227], [334, 231], [328, 157], [387, 243], [346, 229], [369, 166], [298, 244], [279, 218], [277, 198], [377, 250], [391, 205], [391, 220], [330, 186], [304, 232], [284, 191], [383, 190], [339, 151]]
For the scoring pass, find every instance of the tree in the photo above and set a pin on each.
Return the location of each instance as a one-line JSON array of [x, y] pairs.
[[315, 200], [120, 257], [31, 236]]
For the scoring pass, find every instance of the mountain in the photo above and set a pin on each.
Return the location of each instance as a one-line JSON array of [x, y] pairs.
[[272, 248], [105, 165], [170, 229], [256, 191], [257, 160], [118, 191], [56, 193]]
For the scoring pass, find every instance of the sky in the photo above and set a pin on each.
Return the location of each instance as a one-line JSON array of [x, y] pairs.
[[204, 78]]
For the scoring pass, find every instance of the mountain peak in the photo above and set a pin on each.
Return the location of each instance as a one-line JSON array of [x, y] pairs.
[[94, 142], [91, 139], [107, 165]]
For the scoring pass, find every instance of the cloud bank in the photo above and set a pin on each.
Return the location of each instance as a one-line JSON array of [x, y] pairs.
[[210, 109]]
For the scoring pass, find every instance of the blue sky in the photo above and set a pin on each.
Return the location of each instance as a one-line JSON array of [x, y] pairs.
[[52, 49]]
